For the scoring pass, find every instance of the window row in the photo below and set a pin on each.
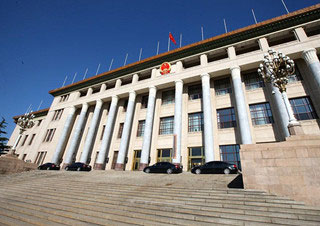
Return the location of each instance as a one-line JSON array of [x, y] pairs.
[[49, 135], [57, 115]]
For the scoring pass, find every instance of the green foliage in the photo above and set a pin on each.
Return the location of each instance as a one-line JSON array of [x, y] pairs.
[[3, 140]]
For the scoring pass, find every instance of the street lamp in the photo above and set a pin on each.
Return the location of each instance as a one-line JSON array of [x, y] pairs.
[[24, 122], [276, 69]]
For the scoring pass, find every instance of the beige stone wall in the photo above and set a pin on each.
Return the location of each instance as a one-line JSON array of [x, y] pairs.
[[290, 168]]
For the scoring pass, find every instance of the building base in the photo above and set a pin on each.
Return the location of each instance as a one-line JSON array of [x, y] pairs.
[[99, 166], [142, 166], [10, 163], [119, 167]]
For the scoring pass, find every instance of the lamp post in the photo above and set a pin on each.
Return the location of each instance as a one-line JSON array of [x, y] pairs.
[[276, 69], [24, 122]]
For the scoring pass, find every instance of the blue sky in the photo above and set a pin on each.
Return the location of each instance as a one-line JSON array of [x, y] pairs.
[[43, 41]]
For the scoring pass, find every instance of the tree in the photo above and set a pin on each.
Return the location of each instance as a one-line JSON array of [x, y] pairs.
[[3, 140]]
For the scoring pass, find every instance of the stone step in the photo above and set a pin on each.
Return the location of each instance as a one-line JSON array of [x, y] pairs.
[[7, 218], [246, 215], [212, 199]]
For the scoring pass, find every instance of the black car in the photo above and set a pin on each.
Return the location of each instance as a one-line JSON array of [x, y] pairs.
[[78, 166], [215, 167], [48, 166], [163, 167]]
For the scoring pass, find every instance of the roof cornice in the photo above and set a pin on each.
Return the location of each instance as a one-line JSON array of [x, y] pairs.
[[278, 23], [39, 113]]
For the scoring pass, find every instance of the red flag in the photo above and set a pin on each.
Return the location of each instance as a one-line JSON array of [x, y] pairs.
[[172, 38]]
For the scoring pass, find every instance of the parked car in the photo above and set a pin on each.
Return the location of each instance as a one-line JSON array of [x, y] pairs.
[[78, 166], [49, 166], [215, 167], [163, 167]]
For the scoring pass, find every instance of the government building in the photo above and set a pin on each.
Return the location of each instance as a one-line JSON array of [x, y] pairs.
[[188, 106]]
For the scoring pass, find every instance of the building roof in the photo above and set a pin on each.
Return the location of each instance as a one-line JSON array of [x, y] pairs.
[[39, 113], [282, 22]]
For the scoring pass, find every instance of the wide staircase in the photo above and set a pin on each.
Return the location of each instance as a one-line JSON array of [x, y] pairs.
[[136, 198]]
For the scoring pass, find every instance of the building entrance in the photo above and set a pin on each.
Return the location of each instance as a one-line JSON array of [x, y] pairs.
[[114, 160], [136, 159], [196, 157], [164, 155]]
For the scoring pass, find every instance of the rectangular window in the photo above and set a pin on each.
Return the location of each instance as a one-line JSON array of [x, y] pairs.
[[195, 92], [168, 97], [230, 153], [103, 128], [222, 86], [302, 108], [125, 105], [39, 122], [144, 102], [261, 114], [24, 157], [195, 122], [164, 155], [57, 114], [120, 130], [296, 76], [226, 118], [30, 142], [64, 98], [49, 135], [25, 139], [141, 126], [253, 81], [40, 157], [166, 125]]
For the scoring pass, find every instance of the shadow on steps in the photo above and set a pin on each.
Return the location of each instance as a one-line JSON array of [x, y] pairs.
[[236, 182]]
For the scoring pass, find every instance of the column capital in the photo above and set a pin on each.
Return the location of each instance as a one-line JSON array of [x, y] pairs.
[[310, 55], [205, 75], [86, 105], [99, 101], [152, 87], [114, 98], [178, 81], [235, 67], [132, 95]]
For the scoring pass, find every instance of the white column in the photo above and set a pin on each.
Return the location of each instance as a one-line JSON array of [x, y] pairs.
[[207, 117], [176, 158], [311, 58], [204, 60], [64, 135], [91, 133], [126, 132], [76, 136], [107, 135], [103, 87], [241, 108], [135, 78], [144, 160]]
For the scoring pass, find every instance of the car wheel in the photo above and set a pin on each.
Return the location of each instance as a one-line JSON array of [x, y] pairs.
[[78, 169], [226, 171], [67, 168], [48, 168], [169, 171], [147, 171], [198, 171]]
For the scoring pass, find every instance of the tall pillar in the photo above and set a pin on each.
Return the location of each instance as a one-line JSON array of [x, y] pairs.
[[242, 114], [279, 110], [207, 117], [176, 158], [126, 132], [76, 136], [311, 58], [104, 150], [144, 160], [63, 139], [91, 133]]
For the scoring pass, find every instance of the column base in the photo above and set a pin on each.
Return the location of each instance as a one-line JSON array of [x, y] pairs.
[[119, 167], [142, 166], [295, 129], [64, 165], [99, 166]]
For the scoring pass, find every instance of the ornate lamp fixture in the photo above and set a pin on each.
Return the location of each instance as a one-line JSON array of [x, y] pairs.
[[24, 122], [276, 69]]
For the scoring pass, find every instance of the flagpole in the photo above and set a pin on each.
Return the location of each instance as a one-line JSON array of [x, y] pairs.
[[158, 48], [254, 16], [284, 4], [180, 40], [74, 77], [39, 105], [111, 64], [169, 42], [125, 60], [225, 25], [28, 108], [98, 69], [202, 33], [140, 54], [85, 74], [64, 81]]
